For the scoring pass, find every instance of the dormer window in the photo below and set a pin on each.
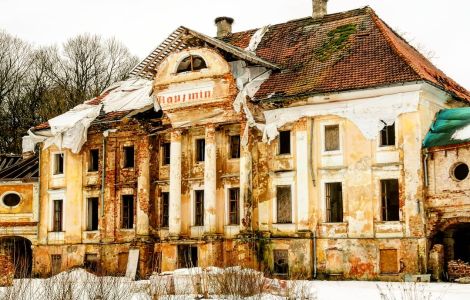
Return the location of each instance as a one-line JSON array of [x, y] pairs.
[[191, 63]]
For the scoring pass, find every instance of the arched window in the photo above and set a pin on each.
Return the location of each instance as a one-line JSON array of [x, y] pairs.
[[11, 199], [191, 63]]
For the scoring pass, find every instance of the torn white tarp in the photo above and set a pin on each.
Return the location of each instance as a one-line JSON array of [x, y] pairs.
[[27, 144], [256, 39], [70, 129], [369, 115], [462, 134]]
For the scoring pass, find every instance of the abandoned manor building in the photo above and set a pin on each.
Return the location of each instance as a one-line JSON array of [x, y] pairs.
[[323, 147]]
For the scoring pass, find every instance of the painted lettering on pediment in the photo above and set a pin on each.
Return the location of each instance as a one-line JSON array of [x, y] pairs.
[[186, 95]]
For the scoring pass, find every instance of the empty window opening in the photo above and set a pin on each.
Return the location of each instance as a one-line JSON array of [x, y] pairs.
[[390, 200], [389, 261], [128, 156], [234, 206], [92, 218], [157, 262], [58, 164], [94, 159], [57, 217], [331, 137], [461, 237], [187, 256], [234, 146], [284, 142], [334, 202], [166, 153], [56, 263], [460, 171], [387, 135], [199, 208], [281, 262], [191, 63], [284, 204], [200, 149], [91, 262], [122, 262], [165, 209], [127, 212], [11, 199]]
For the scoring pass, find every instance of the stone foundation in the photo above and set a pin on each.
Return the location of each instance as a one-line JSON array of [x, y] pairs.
[[458, 269]]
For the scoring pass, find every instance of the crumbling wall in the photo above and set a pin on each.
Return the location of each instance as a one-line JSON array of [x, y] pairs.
[[458, 269]]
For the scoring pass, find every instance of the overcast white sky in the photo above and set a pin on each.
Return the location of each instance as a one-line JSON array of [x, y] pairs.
[[441, 26]]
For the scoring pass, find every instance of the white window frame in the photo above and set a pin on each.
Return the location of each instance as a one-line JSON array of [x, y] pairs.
[[54, 162], [227, 206], [323, 199], [194, 188], [284, 179], [56, 195], [323, 135], [388, 148], [86, 196], [194, 143], [291, 145]]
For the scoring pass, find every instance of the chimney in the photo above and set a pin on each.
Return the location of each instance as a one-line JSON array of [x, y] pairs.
[[224, 26], [319, 8]]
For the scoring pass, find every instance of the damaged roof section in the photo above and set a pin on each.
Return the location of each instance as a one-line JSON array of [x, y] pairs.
[[451, 127], [15, 167]]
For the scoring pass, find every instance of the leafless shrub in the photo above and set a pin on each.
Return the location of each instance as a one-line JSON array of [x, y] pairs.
[[68, 285], [407, 291], [108, 288], [236, 282]]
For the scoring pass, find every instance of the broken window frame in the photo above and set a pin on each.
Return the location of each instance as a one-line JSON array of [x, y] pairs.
[[278, 268], [93, 160], [127, 211], [191, 67], [91, 262], [279, 218], [128, 159], [234, 146], [57, 215], [285, 143], [92, 213], [387, 136], [200, 150], [165, 210], [198, 207], [233, 211], [332, 196], [58, 165], [327, 148], [166, 156], [56, 263], [390, 211]]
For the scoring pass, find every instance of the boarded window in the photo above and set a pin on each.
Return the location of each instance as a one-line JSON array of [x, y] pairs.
[[91, 262], [56, 263], [93, 163], [388, 261], [92, 217], [390, 200], [234, 206], [122, 262], [281, 262], [191, 63], [165, 209], [234, 146], [387, 136], [57, 215], [200, 149], [58, 164], [199, 208], [331, 137], [284, 204], [284, 142], [334, 202], [187, 256], [127, 212], [166, 153], [128, 156]]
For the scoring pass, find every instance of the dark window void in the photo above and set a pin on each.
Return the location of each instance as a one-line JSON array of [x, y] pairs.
[[331, 137], [58, 164], [56, 263], [389, 261], [166, 153], [234, 206], [281, 262], [284, 142], [128, 156], [57, 216], [157, 262], [200, 149], [127, 211], [461, 238], [334, 202], [91, 262], [199, 208], [460, 171], [234, 146], [191, 63], [187, 256], [11, 199], [94, 160], [165, 209], [284, 204], [387, 136], [19, 252], [390, 200], [92, 218]]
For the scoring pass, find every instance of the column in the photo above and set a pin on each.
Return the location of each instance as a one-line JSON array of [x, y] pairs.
[[143, 186], [210, 180], [302, 182], [245, 178], [175, 184]]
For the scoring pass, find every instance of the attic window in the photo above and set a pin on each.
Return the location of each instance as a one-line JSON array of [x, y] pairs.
[[191, 63]]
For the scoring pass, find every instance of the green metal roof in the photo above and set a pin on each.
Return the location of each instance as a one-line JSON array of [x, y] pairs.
[[449, 122]]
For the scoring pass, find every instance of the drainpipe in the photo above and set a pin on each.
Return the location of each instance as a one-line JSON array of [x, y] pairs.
[[310, 159], [314, 254], [426, 179], [103, 172]]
